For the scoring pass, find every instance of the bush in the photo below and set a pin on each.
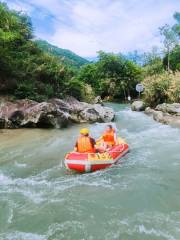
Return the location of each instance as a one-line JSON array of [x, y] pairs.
[[88, 94], [74, 88], [25, 89], [162, 88]]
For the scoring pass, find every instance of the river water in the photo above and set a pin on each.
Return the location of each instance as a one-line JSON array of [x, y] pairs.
[[138, 199]]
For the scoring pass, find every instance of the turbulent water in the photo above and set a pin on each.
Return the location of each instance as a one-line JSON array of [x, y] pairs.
[[138, 199]]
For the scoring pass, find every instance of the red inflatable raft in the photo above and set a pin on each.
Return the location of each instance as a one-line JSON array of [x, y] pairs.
[[89, 162]]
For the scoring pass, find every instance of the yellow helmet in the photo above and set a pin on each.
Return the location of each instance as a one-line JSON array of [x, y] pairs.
[[84, 131]]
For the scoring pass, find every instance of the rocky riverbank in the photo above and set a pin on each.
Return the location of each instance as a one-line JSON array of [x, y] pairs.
[[164, 113], [55, 113]]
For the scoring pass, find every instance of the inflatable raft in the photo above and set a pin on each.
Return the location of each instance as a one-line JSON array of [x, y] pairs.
[[89, 162]]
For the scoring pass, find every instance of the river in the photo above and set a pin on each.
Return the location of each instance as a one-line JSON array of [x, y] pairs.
[[138, 199]]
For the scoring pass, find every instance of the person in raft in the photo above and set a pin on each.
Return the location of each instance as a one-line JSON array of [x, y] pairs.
[[109, 137], [85, 143]]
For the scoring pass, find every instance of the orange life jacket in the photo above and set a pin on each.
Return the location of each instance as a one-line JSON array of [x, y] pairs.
[[108, 137], [84, 145]]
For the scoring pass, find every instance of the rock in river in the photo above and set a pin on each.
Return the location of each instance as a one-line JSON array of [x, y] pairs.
[[173, 108], [166, 114], [138, 106], [55, 113]]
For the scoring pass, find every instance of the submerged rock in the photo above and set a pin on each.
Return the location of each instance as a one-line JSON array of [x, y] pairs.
[[138, 106], [56, 113]]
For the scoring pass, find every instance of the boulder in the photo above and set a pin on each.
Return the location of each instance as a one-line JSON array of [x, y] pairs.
[[27, 113], [98, 100], [166, 118], [44, 115], [97, 113], [106, 114], [175, 121], [76, 106], [85, 112], [173, 108], [159, 117], [56, 113], [61, 104], [138, 106], [164, 115], [149, 111]]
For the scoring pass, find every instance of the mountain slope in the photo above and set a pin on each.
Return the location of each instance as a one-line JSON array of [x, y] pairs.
[[65, 55]]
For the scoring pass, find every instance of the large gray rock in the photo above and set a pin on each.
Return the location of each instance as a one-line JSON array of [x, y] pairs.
[[138, 106], [85, 112], [98, 100], [97, 113], [167, 118], [149, 111], [175, 122], [106, 114], [56, 113], [166, 114], [159, 117], [44, 115], [173, 108], [27, 113]]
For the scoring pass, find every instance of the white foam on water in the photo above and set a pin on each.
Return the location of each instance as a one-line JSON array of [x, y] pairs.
[[21, 165], [65, 230], [5, 180], [154, 232], [164, 226], [16, 235], [10, 217]]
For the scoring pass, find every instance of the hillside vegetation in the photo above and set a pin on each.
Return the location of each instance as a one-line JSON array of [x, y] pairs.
[[162, 74], [38, 70], [65, 56]]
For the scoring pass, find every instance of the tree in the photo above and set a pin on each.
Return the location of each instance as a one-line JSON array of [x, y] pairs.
[[174, 59], [176, 27], [25, 69], [112, 75], [169, 41]]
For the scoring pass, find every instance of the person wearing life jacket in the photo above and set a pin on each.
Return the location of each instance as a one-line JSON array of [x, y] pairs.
[[109, 137], [85, 144]]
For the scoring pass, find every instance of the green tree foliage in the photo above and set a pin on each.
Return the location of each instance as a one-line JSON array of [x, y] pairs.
[[162, 75], [26, 70], [174, 59], [38, 70], [176, 27], [162, 88], [153, 63], [112, 75], [171, 36], [169, 41], [65, 56]]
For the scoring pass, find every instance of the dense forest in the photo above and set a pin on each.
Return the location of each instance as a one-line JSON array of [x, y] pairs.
[[35, 69]]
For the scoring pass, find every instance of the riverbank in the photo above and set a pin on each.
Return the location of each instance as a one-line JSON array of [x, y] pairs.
[[164, 113], [55, 113]]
